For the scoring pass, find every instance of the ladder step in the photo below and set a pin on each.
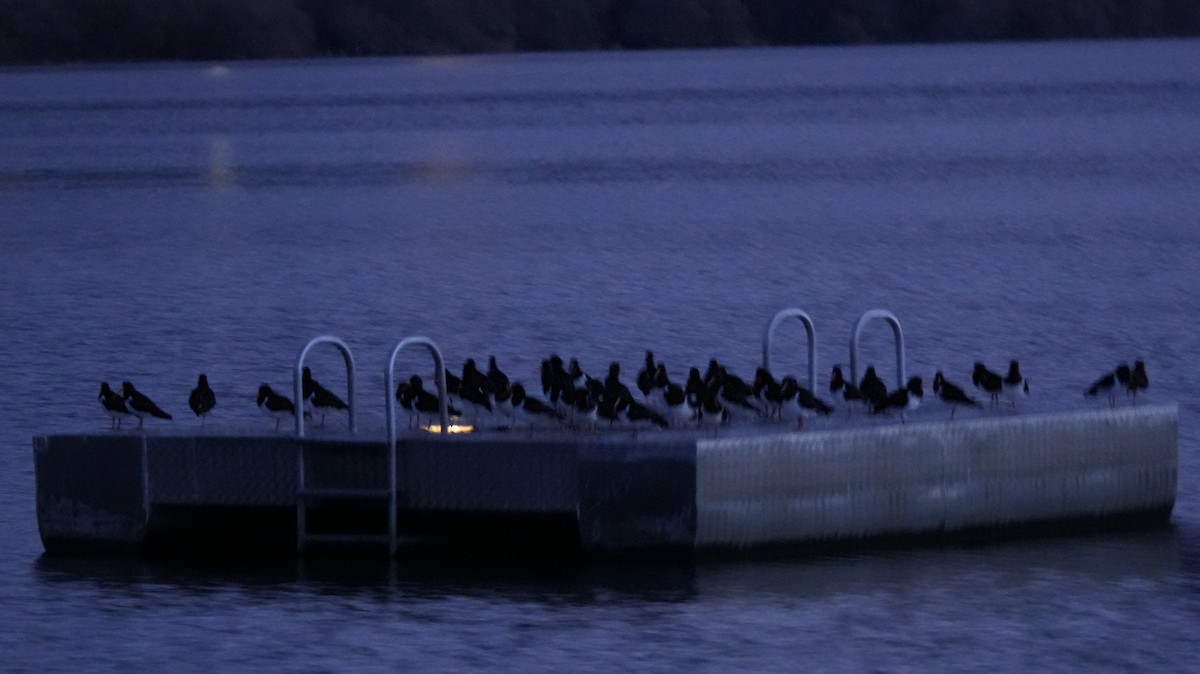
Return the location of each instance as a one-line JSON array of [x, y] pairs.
[[343, 493], [381, 539]]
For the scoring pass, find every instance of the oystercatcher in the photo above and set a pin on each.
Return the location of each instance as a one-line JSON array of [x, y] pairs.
[[951, 394], [319, 399], [114, 404], [424, 402], [474, 389], [638, 416], [1138, 381], [810, 405], [987, 381], [840, 388], [1109, 382], [139, 405], [613, 388], [646, 376], [404, 396], [584, 408], [675, 400], [907, 399], [274, 405], [504, 403], [712, 410], [497, 380], [768, 392], [735, 392], [1016, 387], [872, 389], [202, 399], [532, 411]]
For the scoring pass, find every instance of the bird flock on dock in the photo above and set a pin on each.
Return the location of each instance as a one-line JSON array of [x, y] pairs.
[[573, 399]]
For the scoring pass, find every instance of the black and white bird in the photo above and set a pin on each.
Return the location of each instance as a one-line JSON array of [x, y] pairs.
[[584, 409], [202, 399], [905, 400], [1016, 387], [695, 392], [474, 390], [139, 405], [872, 389], [840, 388], [274, 405], [951, 394], [614, 389], [504, 404], [1138, 380], [497, 380], [404, 396], [532, 412], [425, 403], [114, 404], [810, 405], [553, 374], [712, 409], [676, 409], [768, 393], [736, 395], [1109, 382], [576, 377], [317, 398], [987, 382], [638, 416], [646, 377]]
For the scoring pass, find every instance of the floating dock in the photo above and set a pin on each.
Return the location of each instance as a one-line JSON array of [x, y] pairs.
[[611, 492], [675, 491]]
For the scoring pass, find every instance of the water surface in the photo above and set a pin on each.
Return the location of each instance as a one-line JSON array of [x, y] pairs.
[[1005, 201]]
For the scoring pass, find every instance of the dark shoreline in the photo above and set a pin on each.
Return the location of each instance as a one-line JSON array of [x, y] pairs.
[[83, 31]]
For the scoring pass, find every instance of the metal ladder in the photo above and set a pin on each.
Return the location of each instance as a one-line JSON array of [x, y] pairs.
[[389, 400], [307, 494]]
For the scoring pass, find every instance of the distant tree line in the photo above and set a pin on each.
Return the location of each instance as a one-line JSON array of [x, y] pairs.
[[50, 31]]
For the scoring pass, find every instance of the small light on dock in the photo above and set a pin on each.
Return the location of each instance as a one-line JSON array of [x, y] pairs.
[[452, 428]]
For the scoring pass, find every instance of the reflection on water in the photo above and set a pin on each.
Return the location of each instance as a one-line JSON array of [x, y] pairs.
[[1086, 560]]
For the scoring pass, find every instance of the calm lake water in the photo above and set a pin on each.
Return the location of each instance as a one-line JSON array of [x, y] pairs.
[[1021, 201]]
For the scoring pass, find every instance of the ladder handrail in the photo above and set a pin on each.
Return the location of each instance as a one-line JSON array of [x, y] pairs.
[[389, 396], [298, 374], [389, 382], [812, 341], [896, 331]]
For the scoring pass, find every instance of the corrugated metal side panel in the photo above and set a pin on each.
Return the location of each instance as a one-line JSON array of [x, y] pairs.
[[915, 478]]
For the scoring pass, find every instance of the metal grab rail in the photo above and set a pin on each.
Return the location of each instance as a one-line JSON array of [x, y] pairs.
[[858, 328], [439, 379], [812, 342], [298, 375], [389, 397]]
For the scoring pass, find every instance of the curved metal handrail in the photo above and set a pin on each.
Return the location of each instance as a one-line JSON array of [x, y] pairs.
[[439, 379], [298, 376], [812, 342], [858, 328]]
